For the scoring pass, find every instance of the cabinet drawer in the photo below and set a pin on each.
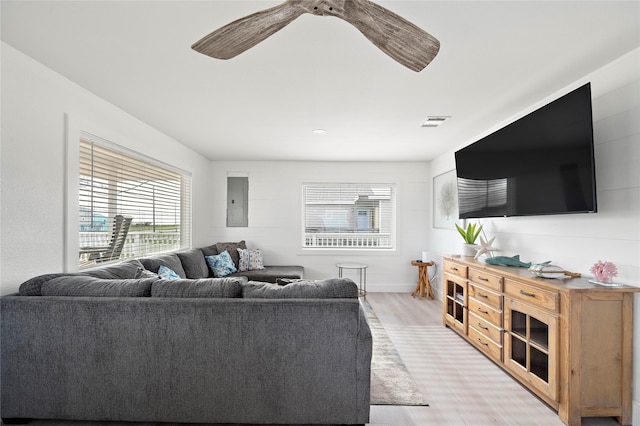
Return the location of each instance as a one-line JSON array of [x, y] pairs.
[[488, 297], [455, 269], [534, 295], [488, 280], [490, 314], [485, 327], [485, 345]]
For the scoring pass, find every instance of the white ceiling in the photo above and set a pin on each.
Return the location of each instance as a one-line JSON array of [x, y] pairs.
[[497, 58]]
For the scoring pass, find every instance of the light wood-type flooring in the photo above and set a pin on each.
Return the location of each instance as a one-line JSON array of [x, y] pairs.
[[461, 385]]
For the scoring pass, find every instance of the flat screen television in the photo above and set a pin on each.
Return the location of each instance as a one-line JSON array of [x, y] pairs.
[[541, 164]]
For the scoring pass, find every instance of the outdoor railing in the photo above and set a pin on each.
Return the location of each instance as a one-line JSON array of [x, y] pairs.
[[136, 244], [342, 240]]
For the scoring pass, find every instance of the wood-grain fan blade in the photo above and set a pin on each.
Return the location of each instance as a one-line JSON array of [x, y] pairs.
[[238, 36], [403, 41], [400, 39]]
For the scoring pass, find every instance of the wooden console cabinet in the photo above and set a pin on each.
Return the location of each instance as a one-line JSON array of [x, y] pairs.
[[569, 341]]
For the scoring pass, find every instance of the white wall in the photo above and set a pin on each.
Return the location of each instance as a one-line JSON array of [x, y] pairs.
[[275, 224], [37, 104], [576, 242]]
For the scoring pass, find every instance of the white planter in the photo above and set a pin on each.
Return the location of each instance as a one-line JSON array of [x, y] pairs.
[[469, 249]]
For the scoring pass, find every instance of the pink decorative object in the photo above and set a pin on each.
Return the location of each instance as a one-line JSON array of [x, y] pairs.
[[604, 271]]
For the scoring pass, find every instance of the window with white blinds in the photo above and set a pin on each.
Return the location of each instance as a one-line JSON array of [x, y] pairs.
[[349, 216], [113, 183]]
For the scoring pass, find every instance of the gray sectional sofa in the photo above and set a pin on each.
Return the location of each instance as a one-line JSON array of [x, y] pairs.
[[118, 343]]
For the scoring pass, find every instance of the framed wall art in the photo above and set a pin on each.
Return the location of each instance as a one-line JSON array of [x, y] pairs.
[[445, 200]]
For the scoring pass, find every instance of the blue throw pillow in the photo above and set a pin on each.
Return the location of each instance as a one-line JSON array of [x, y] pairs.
[[221, 265], [167, 274]]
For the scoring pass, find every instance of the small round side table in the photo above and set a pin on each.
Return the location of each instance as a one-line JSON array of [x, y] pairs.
[[362, 268]]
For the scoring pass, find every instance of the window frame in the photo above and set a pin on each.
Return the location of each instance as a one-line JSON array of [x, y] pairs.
[[74, 130], [363, 246]]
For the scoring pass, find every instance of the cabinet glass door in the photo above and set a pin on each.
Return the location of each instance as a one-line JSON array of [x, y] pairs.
[[531, 346], [456, 294]]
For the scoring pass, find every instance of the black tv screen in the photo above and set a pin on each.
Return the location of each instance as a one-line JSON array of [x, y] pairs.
[[541, 164]]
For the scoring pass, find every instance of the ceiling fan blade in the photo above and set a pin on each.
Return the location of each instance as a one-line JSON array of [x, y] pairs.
[[244, 33], [400, 39]]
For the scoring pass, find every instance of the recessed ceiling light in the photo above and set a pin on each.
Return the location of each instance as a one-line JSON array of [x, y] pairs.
[[319, 131], [435, 120]]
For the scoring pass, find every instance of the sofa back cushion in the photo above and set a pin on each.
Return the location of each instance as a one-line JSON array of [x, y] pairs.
[[171, 261], [211, 250], [206, 287], [33, 286], [333, 288], [193, 263], [127, 269], [83, 286]]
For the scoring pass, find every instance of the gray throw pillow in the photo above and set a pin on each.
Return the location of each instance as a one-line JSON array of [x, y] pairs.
[[206, 287], [97, 287], [232, 248], [333, 288]]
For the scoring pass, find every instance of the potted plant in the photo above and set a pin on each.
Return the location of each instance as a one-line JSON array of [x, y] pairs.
[[469, 235]]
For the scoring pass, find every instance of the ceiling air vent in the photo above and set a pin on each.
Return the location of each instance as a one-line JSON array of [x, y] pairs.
[[434, 121]]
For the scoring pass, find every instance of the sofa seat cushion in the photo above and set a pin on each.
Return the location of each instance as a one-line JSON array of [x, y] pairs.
[[270, 274], [205, 287], [171, 261], [333, 288], [193, 263], [82, 286]]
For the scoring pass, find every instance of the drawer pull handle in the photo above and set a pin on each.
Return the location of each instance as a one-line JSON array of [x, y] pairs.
[[482, 311], [482, 343], [483, 278], [482, 326], [524, 293], [453, 268], [483, 295]]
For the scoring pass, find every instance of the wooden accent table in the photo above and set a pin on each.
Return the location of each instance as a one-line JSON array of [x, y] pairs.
[[424, 285]]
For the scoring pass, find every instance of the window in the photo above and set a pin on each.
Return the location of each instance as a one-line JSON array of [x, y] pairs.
[[156, 197], [348, 216]]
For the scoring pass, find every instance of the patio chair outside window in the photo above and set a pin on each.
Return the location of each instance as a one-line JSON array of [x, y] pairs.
[[121, 226]]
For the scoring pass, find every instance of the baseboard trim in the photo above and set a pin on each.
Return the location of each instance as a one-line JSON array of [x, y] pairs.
[[398, 288], [390, 288]]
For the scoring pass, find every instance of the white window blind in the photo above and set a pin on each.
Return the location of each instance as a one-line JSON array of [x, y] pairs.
[[155, 197], [349, 216]]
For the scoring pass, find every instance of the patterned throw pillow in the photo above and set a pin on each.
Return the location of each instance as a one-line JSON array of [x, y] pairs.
[[250, 260], [221, 265], [167, 274]]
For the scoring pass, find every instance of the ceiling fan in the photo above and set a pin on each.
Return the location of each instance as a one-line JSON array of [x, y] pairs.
[[400, 39]]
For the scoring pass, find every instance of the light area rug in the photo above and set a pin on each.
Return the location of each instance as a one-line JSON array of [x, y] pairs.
[[391, 383]]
